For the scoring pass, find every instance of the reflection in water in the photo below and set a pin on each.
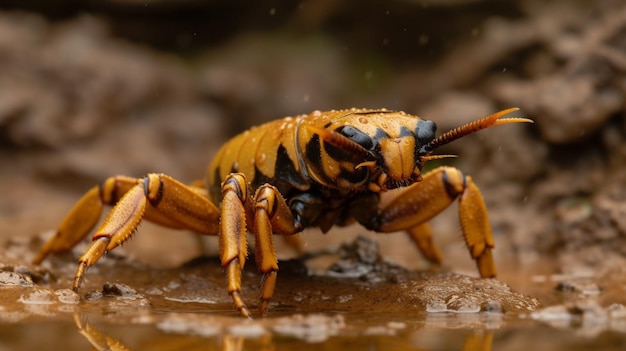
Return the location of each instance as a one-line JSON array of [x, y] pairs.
[[95, 337], [230, 343], [477, 340]]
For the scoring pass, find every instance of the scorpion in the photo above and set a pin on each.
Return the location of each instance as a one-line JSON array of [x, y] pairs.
[[317, 170]]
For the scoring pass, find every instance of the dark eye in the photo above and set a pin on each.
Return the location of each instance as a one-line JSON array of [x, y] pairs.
[[357, 136], [425, 131]]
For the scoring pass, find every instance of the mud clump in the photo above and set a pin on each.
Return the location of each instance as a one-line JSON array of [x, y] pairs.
[[120, 290], [15, 279], [361, 259], [21, 274], [587, 316], [449, 292]]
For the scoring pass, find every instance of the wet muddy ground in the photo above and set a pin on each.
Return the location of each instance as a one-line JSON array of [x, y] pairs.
[[121, 88], [351, 297]]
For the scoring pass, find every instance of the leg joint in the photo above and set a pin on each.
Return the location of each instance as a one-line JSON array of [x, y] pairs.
[[236, 183], [153, 188], [108, 191], [454, 182], [266, 199]]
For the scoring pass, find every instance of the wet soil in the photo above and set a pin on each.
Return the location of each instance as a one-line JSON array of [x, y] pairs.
[[355, 300], [117, 87]]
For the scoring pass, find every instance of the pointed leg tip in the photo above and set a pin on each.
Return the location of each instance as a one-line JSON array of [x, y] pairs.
[[264, 307], [245, 313], [40, 257]]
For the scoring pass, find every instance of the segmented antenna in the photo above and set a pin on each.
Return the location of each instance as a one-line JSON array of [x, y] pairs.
[[475, 126]]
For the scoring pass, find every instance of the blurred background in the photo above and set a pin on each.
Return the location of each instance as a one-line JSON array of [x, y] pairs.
[[90, 89]]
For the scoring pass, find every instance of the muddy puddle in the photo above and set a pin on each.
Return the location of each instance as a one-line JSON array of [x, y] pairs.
[[359, 301]]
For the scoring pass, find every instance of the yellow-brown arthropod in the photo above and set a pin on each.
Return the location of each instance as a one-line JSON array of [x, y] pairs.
[[316, 170]]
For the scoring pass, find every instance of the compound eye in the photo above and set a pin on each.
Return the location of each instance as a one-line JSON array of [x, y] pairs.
[[357, 136]]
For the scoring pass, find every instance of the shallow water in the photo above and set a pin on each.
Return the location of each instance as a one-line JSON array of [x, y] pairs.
[[370, 305]]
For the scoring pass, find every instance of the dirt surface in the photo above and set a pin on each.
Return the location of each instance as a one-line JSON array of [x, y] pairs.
[[122, 87]]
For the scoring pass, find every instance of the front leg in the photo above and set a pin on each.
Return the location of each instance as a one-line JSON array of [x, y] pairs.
[[270, 215], [412, 207]]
